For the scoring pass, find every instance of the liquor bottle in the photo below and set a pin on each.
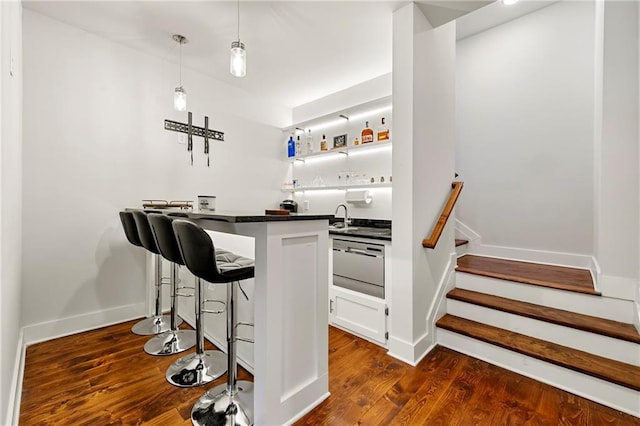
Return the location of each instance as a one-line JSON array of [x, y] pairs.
[[309, 142], [291, 147], [323, 143], [367, 133], [383, 131], [356, 142], [298, 147]]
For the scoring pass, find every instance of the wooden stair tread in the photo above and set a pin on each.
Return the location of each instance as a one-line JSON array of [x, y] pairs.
[[623, 374], [460, 242], [605, 327], [552, 276]]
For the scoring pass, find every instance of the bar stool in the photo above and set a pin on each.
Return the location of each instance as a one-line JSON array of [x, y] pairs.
[[230, 403], [174, 340], [158, 323], [202, 366]]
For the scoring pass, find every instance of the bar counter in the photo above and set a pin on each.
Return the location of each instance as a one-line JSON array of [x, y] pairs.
[[290, 302]]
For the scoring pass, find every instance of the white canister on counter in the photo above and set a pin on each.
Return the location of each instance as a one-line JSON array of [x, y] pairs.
[[206, 202]]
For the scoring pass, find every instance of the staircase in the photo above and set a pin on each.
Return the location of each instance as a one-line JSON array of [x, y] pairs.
[[546, 322]]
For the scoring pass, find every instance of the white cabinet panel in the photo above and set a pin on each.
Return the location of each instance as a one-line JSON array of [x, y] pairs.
[[359, 313]]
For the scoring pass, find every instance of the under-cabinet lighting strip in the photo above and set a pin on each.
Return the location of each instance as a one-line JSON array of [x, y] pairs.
[[342, 120], [385, 146]]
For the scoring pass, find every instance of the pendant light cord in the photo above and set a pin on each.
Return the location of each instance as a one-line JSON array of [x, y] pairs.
[[238, 20], [180, 63]]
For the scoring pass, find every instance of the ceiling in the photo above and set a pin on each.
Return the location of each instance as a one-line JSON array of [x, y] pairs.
[[297, 51]]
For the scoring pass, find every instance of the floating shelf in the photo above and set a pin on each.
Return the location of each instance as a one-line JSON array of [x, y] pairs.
[[339, 187], [344, 151]]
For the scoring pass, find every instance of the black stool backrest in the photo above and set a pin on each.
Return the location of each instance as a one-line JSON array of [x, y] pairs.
[[165, 238], [198, 251], [144, 232], [130, 228]]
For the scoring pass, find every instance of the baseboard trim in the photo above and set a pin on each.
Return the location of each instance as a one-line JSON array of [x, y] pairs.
[[617, 287], [539, 256], [15, 394], [308, 409], [466, 232], [410, 353], [79, 323]]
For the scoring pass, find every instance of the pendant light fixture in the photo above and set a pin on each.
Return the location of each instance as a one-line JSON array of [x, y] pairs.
[[179, 94], [238, 54]]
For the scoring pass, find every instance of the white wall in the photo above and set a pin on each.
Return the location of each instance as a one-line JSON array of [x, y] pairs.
[[94, 144], [10, 203], [525, 130]]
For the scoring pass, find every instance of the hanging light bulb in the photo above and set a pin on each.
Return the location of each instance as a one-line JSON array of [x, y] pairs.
[[238, 62], [238, 59], [180, 99], [179, 94]]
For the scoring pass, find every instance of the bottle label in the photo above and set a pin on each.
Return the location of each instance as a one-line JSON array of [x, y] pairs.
[[366, 138], [323, 145]]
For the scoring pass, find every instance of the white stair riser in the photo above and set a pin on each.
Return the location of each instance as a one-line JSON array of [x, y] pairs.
[[601, 391], [597, 344], [597, 306], [462, 250]]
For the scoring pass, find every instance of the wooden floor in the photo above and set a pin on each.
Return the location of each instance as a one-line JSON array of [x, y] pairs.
[[103, 377], [559, 277]]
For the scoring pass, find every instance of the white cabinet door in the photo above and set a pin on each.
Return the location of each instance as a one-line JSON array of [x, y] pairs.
[[359, 313]]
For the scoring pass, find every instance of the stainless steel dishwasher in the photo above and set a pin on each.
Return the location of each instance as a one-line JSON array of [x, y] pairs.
[[359, 266]]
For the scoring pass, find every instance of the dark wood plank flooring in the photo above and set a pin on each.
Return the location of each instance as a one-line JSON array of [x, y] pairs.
[[605, 327], [103, 377], [607, 369], [559, 277]]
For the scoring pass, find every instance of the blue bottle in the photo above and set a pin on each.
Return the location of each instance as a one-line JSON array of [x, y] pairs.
[[291, 147]]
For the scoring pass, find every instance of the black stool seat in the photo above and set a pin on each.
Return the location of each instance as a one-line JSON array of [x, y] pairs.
[[201, 258], [130, 228]]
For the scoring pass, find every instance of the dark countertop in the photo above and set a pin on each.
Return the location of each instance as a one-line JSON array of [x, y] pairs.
[[363, 228], [240, 217]]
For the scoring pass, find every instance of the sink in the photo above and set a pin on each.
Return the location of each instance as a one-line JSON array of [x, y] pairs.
[[364, 230]]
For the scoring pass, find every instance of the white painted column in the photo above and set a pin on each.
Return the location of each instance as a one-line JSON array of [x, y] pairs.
[[423, 169], [617, 249]]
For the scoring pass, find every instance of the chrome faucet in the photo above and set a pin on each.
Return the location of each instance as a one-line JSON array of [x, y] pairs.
[[347, 219]]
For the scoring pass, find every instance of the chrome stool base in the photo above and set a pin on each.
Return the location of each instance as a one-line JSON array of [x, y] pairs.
[[218, 407], [171, 342], [154, 325], [197, 369]]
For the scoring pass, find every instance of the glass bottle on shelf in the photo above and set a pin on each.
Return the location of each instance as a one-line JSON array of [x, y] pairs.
[[383, 131], [323, 143], [291, 147], [367, 133], [309, 142], [356, 142], [298, 147]]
